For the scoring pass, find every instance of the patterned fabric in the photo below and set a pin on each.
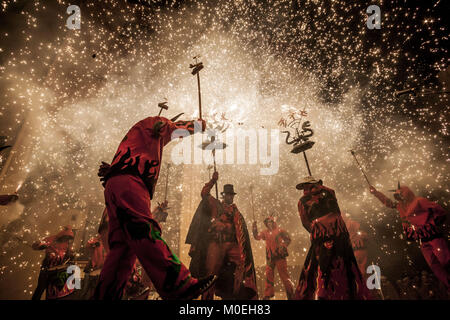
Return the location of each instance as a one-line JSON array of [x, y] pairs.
[[211, 224], [141, 150], [330, 271], [53, 275], [57, 284], [421, 218], [320, 213], [134, 234], [57, 251]]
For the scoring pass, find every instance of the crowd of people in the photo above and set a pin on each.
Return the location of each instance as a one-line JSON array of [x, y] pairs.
[[130, 258]]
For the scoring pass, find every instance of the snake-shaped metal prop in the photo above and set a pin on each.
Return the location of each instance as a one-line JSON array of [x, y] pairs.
[[301, 136]]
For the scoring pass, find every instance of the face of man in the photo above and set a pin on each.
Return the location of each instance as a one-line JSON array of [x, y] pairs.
[[398, 197], [308, 187], [270, 225], [228, 198]]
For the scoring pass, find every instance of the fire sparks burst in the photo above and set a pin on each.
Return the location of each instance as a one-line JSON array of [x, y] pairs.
[[75, 93]]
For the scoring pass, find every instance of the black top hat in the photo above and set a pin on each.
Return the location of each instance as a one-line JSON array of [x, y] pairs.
[[228, 188]]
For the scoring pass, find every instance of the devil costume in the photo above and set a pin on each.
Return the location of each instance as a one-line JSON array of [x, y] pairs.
[[277, 240], [422, 221], [133, 233], [220, 244], [330, 271], [96, 252], [53, 274], [138, 283]]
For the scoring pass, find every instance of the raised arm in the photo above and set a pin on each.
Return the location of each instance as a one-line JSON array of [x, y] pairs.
[[384, 200], [208, 186], [256, 235], [168, 128], [41, 245]]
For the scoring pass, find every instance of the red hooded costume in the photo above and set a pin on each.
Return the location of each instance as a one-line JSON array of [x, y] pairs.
[[422, 220], [277, 240], [133, 232], [96, 252], [57, 252], [330, 271], [137, 279]]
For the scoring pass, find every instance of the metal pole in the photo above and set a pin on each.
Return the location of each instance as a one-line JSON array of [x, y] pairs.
[[307, 163], [360, 168], [199, 96], [214, 158]]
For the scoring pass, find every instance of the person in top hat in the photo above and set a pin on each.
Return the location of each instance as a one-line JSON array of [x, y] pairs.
[[330, 270], [277, 240], [133, 232], [58, 251], [220, 245], [422, 221]]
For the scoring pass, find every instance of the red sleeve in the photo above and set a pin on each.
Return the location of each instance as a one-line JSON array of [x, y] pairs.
[[94, 242], [207, 188], [185, 127], [41, 245], [385, 200]]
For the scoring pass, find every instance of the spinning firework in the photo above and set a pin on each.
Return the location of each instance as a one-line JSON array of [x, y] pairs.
[[302, 133]]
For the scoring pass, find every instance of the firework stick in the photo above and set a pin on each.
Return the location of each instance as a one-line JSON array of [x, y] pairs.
[[199, 96], [360, 168], [214, 159], [209, 171], [307, 163], [206, 146]]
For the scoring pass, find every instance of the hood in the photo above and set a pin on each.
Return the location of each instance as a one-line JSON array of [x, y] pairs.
[[266, 221], [66, 232], [406, 194]]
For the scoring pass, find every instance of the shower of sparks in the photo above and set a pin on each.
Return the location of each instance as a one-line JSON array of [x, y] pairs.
[[79, 91]]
